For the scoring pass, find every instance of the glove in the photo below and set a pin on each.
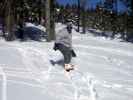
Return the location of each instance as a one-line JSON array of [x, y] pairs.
[[55, 46], [73, 53]]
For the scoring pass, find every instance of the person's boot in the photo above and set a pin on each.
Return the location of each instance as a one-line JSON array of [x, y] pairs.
[[69, 67]]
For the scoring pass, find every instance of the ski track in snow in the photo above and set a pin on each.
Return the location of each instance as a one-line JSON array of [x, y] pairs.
[[36, 74], [120, 52], [117, 62], [111, 60], [4, 84], [42, 76]]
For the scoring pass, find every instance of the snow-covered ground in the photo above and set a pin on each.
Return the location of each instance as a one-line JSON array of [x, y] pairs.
[[103, 70]]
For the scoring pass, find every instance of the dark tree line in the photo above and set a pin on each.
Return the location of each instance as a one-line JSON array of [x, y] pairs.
[[105, 17], [17, 12]]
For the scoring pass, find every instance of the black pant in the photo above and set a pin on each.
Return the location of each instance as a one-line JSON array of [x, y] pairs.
[[66, 51]]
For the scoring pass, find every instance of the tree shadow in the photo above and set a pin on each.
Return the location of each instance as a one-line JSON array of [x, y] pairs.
[[30, 33], [105, 34]]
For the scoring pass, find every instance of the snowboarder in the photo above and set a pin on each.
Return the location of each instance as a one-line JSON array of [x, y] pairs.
[[63, 43]]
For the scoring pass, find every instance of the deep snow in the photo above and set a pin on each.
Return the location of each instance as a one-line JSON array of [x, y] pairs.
[[103, 70]]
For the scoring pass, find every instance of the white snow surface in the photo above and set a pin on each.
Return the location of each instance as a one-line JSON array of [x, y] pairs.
[[103, 70]]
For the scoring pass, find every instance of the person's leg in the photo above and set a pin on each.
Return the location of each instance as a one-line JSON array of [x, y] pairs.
[[66, 53], [67, 57], [68, 66]]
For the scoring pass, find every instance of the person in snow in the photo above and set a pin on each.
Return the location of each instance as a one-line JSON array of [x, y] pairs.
[[63, 43]]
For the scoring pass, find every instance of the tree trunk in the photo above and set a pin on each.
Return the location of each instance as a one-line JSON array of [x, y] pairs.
[[9, 21], [52, 30], [83, 22], [83, 4], [50, 18], [78, 20], [42, 12]]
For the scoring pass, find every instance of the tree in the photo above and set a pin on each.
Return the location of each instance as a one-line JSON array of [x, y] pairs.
[[83, 15], [132, 7], [49, 15], [9, 21], [52, 16], [78, 21], [48, 19], [110, 7], [129, 19]]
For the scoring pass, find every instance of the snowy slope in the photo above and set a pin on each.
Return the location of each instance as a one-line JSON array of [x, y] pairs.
[[103, 70]]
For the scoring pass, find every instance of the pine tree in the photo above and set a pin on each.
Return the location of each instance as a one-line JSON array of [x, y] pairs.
[[83, 15], [49, 25], [132, 7], [9, 21], [78, 21], [48, 19], [110, 13], [129, 18], [52, 16]]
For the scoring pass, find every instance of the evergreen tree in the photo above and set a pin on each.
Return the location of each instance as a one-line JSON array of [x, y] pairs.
[[49, 25], [52, 16], [9, 21], [83, 13], [78, 20]]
